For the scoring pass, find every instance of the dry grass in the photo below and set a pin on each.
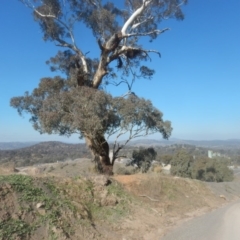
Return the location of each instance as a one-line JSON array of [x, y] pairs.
[[172, 195], [148, 204]]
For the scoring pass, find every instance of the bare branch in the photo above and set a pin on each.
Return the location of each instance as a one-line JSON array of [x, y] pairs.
[[133, 133], [95, 3], [62, 43], [58, 20], [139, 23], [75, 49], [180, 4], [124, 49], [44, 15], [123, 81], [28, 4], [157, 31], [154, 200], [134, 16]]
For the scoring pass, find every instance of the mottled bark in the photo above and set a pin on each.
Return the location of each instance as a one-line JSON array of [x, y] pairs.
[[100, 150]]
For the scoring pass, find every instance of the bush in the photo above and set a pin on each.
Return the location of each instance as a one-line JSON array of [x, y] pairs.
[[181, 164], [166, 159], [122, 171], [204, 169], [211, 170], [143, 158]]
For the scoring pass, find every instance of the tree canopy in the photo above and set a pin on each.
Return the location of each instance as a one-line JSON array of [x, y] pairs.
[[79, 102], [183, 164], [143, 158]]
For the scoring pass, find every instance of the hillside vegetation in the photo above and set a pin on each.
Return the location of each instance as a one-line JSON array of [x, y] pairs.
[[184, 164], [45, 152], [48, 152], [58, 208], [69, 201]]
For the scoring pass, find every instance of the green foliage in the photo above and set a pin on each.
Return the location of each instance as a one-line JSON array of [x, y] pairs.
[[117, 211], [236, 160], [12, 228], [45, 152], [30, 193], [204, 169], [65, 206], [54, 204], [19, 182], [211, 170], [143, 158], [181, 164], [96, 112], [166, 159]]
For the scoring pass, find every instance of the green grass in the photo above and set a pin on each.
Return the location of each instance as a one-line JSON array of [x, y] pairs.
[[65, 205], [112, 213], [11, 228], [29, 194]]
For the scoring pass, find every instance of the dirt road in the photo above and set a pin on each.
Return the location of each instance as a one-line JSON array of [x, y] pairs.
[[221, 224]]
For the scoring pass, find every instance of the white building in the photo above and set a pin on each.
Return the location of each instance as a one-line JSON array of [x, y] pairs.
[[212, 154]]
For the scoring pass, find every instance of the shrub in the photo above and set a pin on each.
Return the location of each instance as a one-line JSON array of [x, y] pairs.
[[143, 158], [211, 170], [204, 169], [181, 164], [166, 159]]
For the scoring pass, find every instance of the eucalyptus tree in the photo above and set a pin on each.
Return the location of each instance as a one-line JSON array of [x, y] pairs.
[[79, 101], [143, 158]]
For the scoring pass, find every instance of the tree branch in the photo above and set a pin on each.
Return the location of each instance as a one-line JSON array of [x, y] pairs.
[[154, 200], [139, 23], [44, 15], [133, 133], [63, 43], [157, 31], [134, 16], [28, 4], [124, 49], [75, 49]]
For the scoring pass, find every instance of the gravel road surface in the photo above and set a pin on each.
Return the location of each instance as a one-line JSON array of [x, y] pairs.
[[221, 224]]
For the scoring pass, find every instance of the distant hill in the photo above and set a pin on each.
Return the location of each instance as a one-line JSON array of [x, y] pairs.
[[15, 145], [25, 154], [44, 152], [232, 143]]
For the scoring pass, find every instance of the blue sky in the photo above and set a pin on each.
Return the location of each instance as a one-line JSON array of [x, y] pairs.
[[196, 84]]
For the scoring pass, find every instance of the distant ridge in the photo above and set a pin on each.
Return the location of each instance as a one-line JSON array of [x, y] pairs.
[[230, 143], [44, 152], [15, 145]]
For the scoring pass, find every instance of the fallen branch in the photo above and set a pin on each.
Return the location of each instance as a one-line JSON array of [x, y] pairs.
[[154, 200]]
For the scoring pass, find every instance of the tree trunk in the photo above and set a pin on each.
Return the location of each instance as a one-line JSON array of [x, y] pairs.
[[100, 151]]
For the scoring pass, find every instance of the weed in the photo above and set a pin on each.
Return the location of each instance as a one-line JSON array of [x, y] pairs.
[[18, 182], [111, 213], [11, 228], [63, 205], [117, 190], [54, 204]]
